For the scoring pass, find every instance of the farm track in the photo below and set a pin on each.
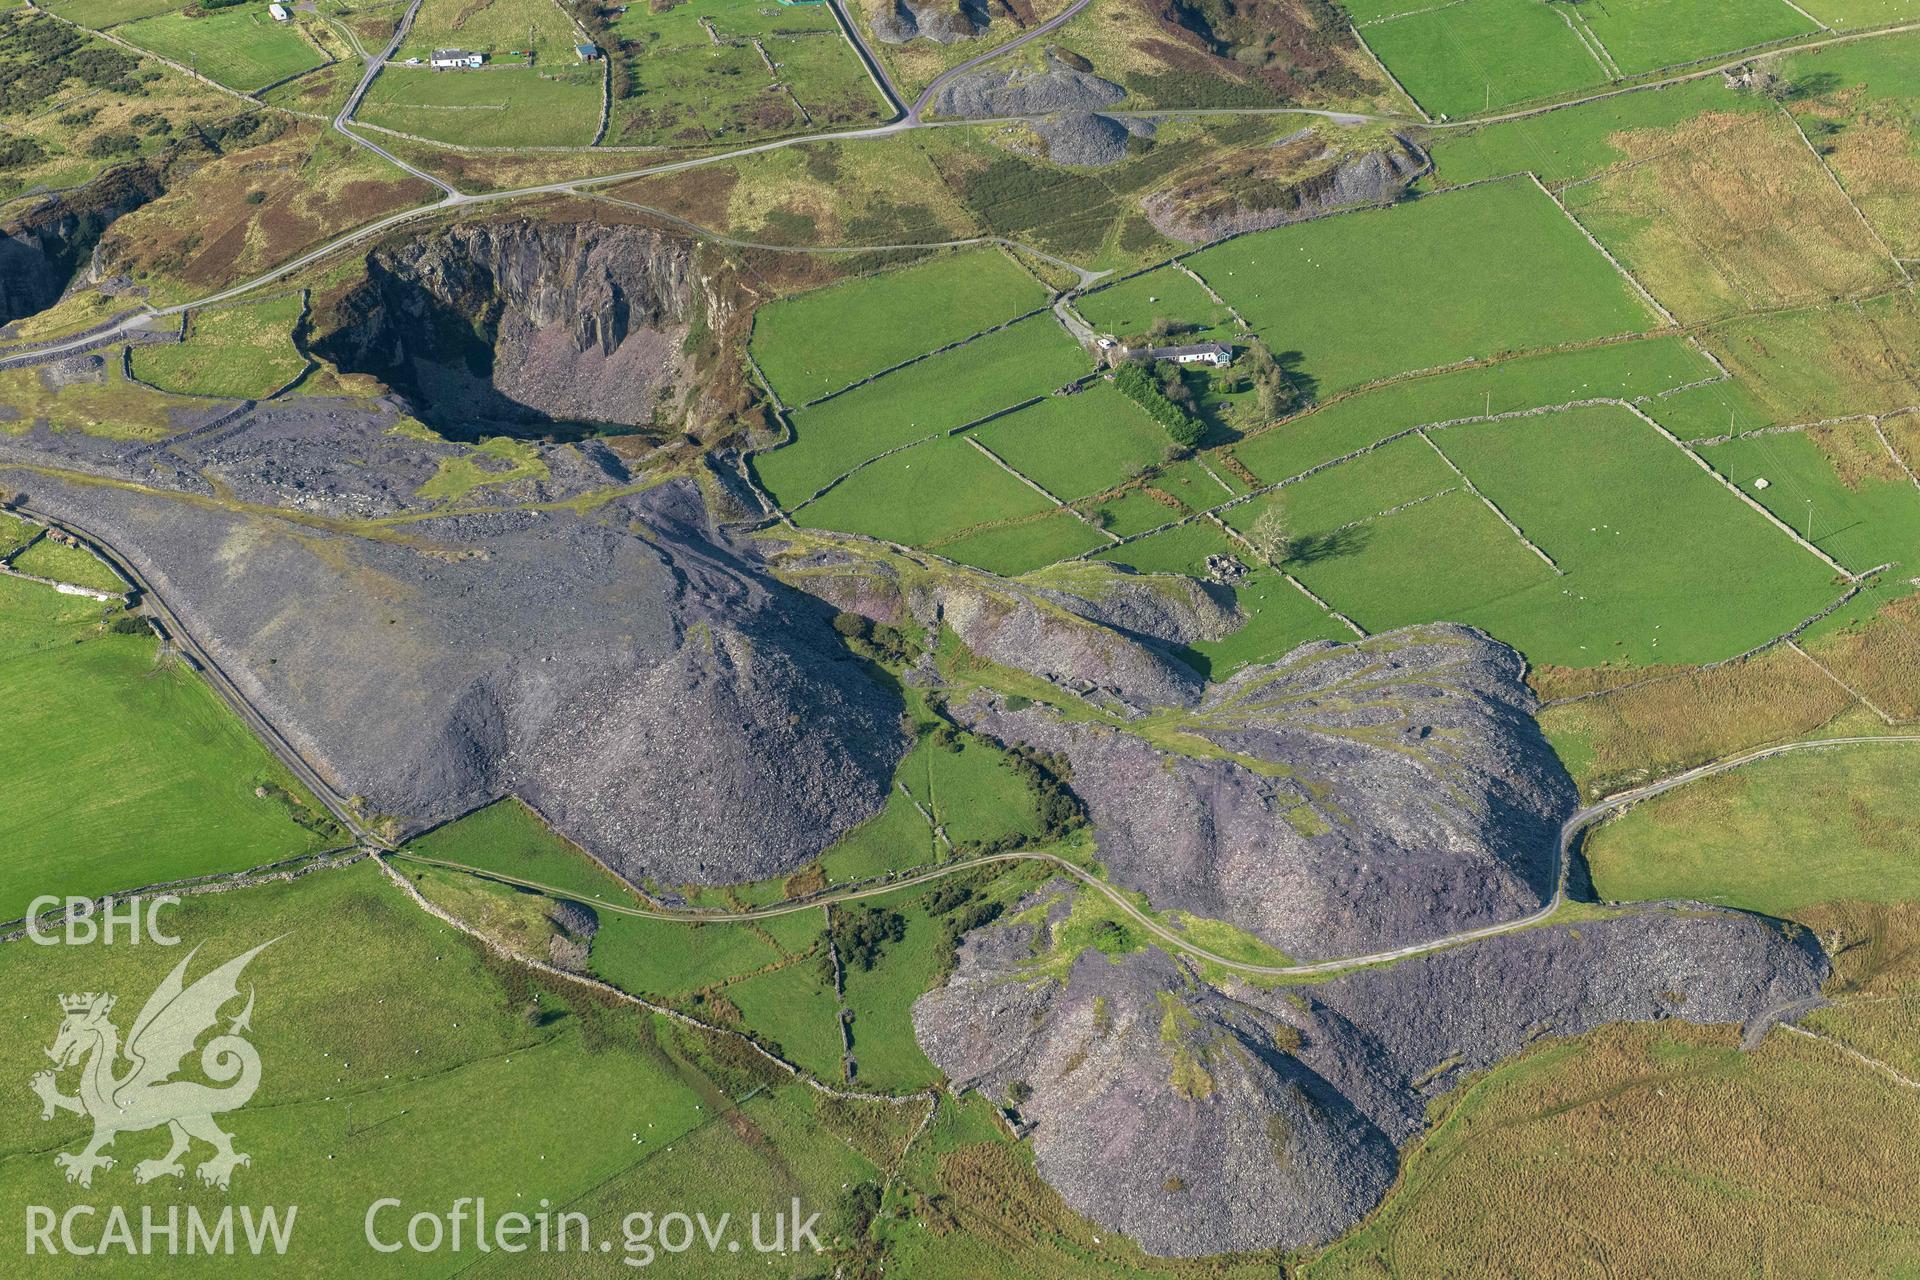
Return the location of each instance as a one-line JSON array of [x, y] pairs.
[[1570, 832], [912, 119]]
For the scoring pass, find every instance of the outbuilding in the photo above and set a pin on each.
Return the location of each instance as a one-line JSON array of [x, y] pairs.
[[279, 12]]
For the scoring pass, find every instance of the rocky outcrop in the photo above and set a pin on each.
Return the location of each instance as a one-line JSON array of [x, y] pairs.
[[1170, 608], [523, 322], [46, 248], [1089, 140], [1199, 1120], [1344, 800], [1306, 175]]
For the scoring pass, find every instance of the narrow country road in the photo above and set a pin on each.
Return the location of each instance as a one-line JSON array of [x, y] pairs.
[[1569, 833], [939, 82]]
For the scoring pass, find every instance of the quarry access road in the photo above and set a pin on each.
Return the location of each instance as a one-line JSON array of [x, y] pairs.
[[940, 81], [1570, 831]]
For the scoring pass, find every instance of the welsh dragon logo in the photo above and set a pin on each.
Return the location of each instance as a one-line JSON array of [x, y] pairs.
[[145, 1096]]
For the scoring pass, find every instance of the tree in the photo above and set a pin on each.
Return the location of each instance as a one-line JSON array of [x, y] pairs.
[[1272, 393], [1270, 535]]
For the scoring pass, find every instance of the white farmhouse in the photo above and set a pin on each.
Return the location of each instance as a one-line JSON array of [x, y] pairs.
[[449, 58]]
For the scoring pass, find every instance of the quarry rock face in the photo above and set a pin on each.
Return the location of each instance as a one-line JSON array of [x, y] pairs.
[[1350, 799], [44, 249], [1200, 1119], [523, 321]]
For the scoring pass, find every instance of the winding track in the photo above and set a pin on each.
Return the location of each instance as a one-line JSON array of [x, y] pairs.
[[912, 119], [1569, 832]]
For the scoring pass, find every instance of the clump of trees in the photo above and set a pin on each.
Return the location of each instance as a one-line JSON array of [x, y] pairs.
[[1144, 384], [958, 905], [875, 641], [863, 934]]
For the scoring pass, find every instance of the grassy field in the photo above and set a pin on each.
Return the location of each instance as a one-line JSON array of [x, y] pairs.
[[502, 29], [1861, 105], [1129, 308], [896, 837], [1646, 35], [241, 47], [1279, 619], [1775, 837], [1021, 362], [505, 106], [923, 494], [1182, 549], [1688, 717], [1466, 58], [108, 13], [1403, 471], [372, 1086], [1805, 366], [120, 773], [1079, 445], [1363, 295], [1879, 655], [508, 837], [699, 72], [1662, 564], [244, 352], [49, 559], [1449, 558], [1861, 13], [1483, 54], [819, 342], [1528, 1168], [1131, 512], [1577, 142], [1624, 370], [1837, 484], [881, 999], [1020, 548], [1729, 212]]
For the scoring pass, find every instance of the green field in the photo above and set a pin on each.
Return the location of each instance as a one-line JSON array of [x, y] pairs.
[[1403, 471], [1806, 365], [1483, 54], [61, 563], [1465, 58], [1863, 13], [242, 47], [898, 836], [502, 29], [1865, 517], [1662, 564], [1279, 619], [1079, 445], [241, 352], [819, 342], [1020, 548], [1646, 35], [1129, 308], [504, 106], [1130, 512], [1365, 295], [1624, 370], [1574, 142], [1021, 362], [923, 494], [107, 13], [469, 1079], [1181, 549], [121, 773], [699, 76], [508, 837], [1444, 559], [1776, 836]]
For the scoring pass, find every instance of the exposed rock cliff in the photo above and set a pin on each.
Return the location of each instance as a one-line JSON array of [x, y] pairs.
[[43, 250], [524, 322]]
